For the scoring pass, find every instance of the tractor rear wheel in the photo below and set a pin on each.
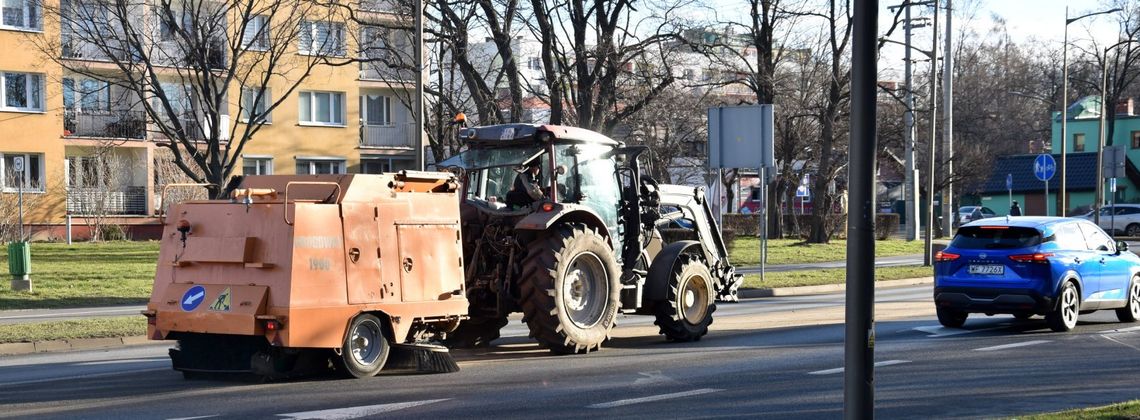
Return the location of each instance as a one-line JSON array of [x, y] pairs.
[[687, 313], [570, 290]]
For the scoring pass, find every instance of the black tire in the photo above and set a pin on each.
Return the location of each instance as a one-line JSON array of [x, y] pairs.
[[475, 332], [1132, 230], [1131, 310], [570, 292], [687, 312], [365, 348], [1064, 316], [950, 318]]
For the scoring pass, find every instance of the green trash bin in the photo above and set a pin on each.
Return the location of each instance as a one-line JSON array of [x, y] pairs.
[[19, 259]]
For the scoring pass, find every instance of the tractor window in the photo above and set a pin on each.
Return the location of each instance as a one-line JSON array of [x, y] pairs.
[[598, 184]]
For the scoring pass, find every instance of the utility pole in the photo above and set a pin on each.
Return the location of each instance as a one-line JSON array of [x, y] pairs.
[[948, 126], [419, 111], [928, 255], [911, 187]]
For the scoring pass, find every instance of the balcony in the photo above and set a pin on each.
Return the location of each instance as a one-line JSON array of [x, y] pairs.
[[114, 124], [73, 47], [379, 71], [390, 136], [106, 202], [379, 6], [190, 125]]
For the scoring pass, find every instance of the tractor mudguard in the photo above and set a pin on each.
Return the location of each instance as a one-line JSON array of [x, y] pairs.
[[541, 220], [657, 282]]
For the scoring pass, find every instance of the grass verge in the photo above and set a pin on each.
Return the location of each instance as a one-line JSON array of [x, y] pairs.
[[1122, 411], [746, 250], [830, 276], [124, 326], [84, 274]]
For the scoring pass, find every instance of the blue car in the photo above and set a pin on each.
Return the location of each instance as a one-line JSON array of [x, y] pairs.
[[1052, 266]]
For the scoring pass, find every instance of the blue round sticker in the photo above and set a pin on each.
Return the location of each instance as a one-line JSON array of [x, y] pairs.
[[193, 297]]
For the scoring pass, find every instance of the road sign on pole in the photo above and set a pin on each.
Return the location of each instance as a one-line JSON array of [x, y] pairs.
[[1044, 167]]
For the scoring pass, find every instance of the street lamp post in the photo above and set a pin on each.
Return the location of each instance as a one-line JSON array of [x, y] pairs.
[[1104, 109], [1063, 194]]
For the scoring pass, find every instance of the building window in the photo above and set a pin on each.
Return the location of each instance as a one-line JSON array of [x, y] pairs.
[[256, 165], [534, 63], [30, 176], [86, 95], [384, 164], [1078, 142], [315, 166], [322, 108], [321, 38], [256, 33], [251, 103], [1136, 139], [19, 14], [21, 92], [376, 109]]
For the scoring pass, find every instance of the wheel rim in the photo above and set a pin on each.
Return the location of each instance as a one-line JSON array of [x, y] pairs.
[[364, 344], [1133, 230], [694, 300], [585, 290], [1069, 306], [1134, 298]]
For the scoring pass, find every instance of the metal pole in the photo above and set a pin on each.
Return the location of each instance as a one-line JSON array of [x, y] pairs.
[[928, 256], [419, 112], [859, 330], [1099, 201], [1046, 198], [1112, 216], [763, 220], [948, 126], [1064, 117], [69, 228], [20, 201], [911, 187]]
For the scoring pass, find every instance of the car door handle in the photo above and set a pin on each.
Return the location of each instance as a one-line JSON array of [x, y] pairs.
[[1102, 260], [1077, 260]]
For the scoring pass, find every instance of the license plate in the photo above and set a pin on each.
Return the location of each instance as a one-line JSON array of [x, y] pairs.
[[987, 269]]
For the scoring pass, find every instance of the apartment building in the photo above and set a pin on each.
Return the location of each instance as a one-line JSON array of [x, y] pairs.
[[60, 108]]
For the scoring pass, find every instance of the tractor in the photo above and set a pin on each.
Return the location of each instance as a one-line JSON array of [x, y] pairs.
[[561, 224]]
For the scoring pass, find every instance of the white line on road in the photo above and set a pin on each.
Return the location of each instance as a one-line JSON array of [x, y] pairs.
[[652, 398], [940, 331], [115, 362], [357, 412], [877, 364], [195, 418], [1012, 345]]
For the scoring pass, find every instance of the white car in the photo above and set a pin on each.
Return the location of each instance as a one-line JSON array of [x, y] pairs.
[[967, 214], [1126, 219]]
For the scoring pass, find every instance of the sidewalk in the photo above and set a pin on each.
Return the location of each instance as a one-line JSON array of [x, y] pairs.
[[898, 260], [42, 315]]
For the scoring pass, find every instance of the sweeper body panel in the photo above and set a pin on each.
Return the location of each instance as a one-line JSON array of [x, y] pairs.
[[293, 265]]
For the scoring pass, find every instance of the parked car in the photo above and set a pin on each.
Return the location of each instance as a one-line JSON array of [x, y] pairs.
[[967, 214], [1126, 220], [1053, 266]]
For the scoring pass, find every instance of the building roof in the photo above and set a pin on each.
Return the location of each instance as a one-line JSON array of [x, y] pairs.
[[1081, 167]]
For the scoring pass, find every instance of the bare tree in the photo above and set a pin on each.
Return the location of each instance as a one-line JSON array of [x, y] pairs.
[[674, 128], [187, 61]]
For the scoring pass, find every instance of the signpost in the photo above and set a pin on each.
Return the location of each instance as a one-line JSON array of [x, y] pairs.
[[1009, 187], [744, 137], [1044, 167], [1112, 217]]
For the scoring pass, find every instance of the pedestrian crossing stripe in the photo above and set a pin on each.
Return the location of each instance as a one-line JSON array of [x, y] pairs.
[[222, 303]]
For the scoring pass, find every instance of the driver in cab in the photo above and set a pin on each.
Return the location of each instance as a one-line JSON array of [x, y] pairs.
[[527, 187]]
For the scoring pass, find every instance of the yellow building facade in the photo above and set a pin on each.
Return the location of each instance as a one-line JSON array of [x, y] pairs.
[[339, 119]]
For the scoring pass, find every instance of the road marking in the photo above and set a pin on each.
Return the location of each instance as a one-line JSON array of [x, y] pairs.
[[652, 398], [877, 364], [652, 377], [195, 418], [357, 412], [115, 362], [65, 313], [940, 331], [1012, 345]]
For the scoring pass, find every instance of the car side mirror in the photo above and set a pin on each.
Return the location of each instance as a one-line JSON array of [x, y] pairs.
[[1121, 246]]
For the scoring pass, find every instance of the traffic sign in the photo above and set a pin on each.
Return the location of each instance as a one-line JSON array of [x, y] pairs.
[[193, 297], [1112, 161], [18, 163], [1009, 181], [1044, 167], [802, 190]]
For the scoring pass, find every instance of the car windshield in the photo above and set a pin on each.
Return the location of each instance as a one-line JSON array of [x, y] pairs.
[[490, 158], [965, 210], [995, 237]]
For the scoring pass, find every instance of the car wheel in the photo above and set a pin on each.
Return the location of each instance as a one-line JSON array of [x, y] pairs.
[[1132, 230], [1131, 310], [950, 318], [1064, 316]]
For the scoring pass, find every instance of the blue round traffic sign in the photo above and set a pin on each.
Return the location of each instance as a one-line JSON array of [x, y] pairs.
[[193, 297], [1044, 167]]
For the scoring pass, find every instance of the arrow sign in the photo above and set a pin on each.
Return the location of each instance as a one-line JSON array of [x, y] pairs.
[[1044, 167], [1009, 181], [193, 297]]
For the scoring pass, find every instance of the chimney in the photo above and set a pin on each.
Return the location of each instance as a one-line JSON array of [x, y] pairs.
[[1124, 107]]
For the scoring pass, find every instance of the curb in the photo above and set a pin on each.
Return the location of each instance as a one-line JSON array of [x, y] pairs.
[[10, 349], [825, 288]]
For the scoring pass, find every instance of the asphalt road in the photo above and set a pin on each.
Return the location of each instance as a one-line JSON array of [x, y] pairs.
[[771, 357]]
